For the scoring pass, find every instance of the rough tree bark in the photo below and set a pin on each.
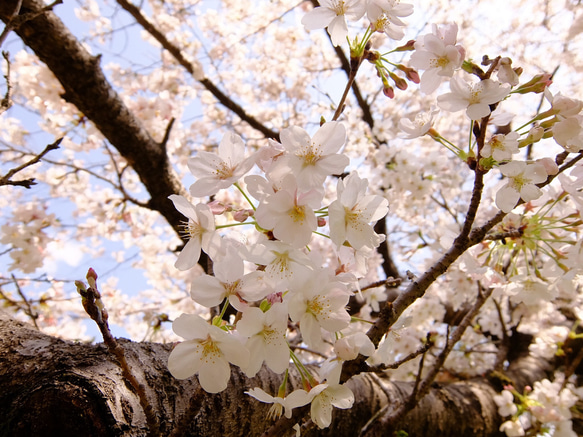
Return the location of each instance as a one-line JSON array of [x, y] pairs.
[[51, 387]]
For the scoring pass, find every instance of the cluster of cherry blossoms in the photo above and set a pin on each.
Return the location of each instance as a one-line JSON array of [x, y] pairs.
[[287, 295], [545, 408], [273, 280]]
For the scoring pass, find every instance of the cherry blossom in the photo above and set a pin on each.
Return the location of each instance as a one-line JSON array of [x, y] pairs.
[[333, 14], [569, 133], [353, 212], [266, 332], [418, 127], [207, 351], [505, 402], [289, 213], [200, 229], [218, 171], [229, 281], [437, 54], [384, 16], [317, 302], [476, 98], [297, 398], [311, 160], [522, 178], [331, 394], [501, 147]]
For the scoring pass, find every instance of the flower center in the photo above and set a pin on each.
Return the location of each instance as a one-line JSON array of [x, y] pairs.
[[310, 155], [298, 213], [224, 171], [339, 7]]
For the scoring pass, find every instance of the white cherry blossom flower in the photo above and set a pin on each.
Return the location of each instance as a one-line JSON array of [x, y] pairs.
[[501, 147], [200, 229], [522, 178], [512, 428], [316, 302], [217, 171], [229, 281], [476, 98], [419, 126], [331, 394], [333, 14], [437, 54], [353, 212], [569, 133], [505, 402], [207, 351], [266, 332], [311, 160], [289, 213], [384, 16], [347, 348], [297, 398], [282, 263]]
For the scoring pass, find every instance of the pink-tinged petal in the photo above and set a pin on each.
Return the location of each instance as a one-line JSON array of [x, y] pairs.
[[310, 329], [190, 327], [460, 87], [337, 222], [232, 148], [189, 255], [207, 291], [203, 163], [530, 192], [331, 136], [183, 361], [430, 80], [214, 375], [506, 198], [208, 186], [294, 138], [183, 206], [338, 30], [451, 102], [318, 18], [477, 111]]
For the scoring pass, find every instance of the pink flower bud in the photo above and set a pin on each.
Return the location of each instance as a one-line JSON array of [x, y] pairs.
[[321, 221], [550, 166]]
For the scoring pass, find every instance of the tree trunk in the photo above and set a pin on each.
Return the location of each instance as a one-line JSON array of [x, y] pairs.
[[51, 387]]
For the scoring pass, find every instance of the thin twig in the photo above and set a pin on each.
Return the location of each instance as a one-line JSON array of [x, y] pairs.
[[27, 183], [91, 299], [6, 102], [194, 70], [10, 24]]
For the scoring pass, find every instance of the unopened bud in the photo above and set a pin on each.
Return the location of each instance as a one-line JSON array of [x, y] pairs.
[[536, 85], [321, 221], [410, 45], [550, 166], [242, 215], [389, 92], [399, 81]]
